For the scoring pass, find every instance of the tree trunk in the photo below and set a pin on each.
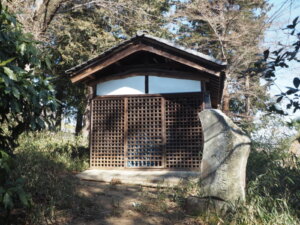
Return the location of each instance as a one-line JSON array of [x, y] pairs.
[[79, 120], [247, 104], [59, 112], [45, 12], [58, 117], [226, 98], [87, 112]]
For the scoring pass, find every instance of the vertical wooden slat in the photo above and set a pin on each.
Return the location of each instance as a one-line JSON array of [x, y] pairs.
[[91, 133], [146, 84], [125, 132], [203, 91], [163, 130]]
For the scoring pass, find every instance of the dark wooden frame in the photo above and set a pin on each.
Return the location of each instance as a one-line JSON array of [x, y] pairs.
[[163, 128]]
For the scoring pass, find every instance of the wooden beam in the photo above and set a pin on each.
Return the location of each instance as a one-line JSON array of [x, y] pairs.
[[151, 72], [96, 67], [166, 66], [179, 59], [130, 50]]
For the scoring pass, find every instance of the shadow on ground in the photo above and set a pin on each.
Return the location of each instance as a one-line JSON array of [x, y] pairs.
[[102, 203]]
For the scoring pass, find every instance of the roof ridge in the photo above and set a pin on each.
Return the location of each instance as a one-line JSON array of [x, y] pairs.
[[142, 34]]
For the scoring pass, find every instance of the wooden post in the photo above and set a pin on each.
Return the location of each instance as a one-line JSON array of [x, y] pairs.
[[163, 130], [203, 90], [146, 84], [90, 133], [207, 100], [126, 132]]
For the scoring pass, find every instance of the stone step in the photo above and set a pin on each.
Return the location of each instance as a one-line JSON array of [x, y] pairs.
[[141, 177]]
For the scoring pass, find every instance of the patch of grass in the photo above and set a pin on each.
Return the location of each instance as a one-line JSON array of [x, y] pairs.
[[272, 192], [45, 161], [60, 147], [141, 207], [115, 181]]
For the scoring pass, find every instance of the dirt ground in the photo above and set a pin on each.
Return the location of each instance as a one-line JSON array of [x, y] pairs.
[[120, 204]]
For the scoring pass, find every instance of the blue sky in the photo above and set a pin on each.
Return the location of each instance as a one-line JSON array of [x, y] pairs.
[[282, 13]]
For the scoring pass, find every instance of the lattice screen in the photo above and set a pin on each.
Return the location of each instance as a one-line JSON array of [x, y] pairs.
[[146, 131], [107, 137], [183, 131]]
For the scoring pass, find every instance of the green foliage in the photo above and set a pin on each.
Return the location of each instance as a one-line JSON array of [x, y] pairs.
[[230, 31], [46, 162], [65, 148], [280, 58], [12, 193], [26, 92], [44, 170], [100, 28], [272, 188]]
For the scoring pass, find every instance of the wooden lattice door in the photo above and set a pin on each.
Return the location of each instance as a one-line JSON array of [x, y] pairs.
[[107, 133], [150, 131], [144, 139], [183, 131]]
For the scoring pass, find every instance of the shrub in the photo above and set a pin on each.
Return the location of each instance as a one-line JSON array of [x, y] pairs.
[[12, 193], [272, 190], [45, 160]]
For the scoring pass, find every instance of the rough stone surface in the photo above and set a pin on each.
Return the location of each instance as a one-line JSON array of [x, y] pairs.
[[225, 155], [295, 148], [146, 178]]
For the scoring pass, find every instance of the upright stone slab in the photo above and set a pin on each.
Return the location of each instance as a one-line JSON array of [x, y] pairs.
[[295, 147], [225, 154]]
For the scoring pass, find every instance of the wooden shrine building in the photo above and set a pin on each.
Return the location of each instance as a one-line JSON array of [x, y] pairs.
[[147, 93]]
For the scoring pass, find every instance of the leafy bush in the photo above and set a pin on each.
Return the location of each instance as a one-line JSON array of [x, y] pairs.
[[26, 94], [273, 189], [72, 151], [45, 160], [11, 190]]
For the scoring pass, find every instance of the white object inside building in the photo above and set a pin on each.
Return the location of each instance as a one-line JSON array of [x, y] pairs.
[[162, 85], [125, 86], [157, 85]]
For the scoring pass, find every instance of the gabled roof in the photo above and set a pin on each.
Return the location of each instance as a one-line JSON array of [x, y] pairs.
[[144, 42]]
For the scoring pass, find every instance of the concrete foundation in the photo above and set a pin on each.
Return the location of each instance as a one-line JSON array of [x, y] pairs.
[[141, 177]]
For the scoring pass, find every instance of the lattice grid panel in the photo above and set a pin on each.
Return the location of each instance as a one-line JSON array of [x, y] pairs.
[[147, 132], [107, 136], [183, 131], [144, 132]]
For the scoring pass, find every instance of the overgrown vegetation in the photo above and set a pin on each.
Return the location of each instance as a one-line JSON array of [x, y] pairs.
[[25, 97], [273, 190], [46, 163]]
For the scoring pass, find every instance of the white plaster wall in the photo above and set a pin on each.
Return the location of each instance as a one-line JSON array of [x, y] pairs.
[[160, 85], [125, 86], [157, 85]]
